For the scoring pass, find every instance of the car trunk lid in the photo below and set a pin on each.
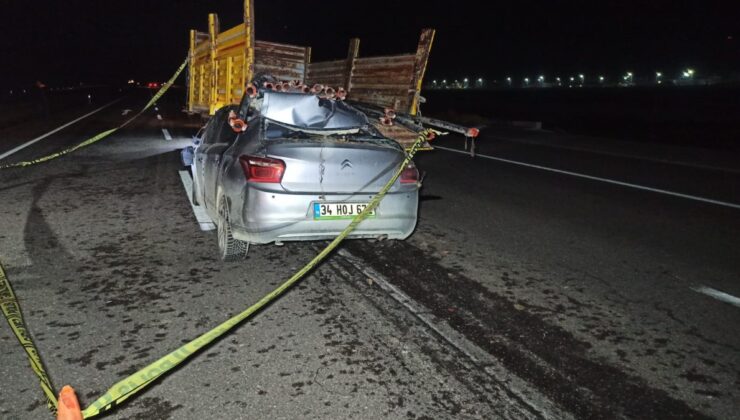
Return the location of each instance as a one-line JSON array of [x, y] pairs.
[[326, 167]]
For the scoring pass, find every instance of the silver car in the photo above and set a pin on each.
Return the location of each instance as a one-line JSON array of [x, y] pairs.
[[303, 167]]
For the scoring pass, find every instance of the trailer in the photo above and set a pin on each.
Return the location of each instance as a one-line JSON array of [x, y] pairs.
[[222, 64]]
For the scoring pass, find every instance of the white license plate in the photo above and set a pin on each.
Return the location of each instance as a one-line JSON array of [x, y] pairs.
[[333, 211]]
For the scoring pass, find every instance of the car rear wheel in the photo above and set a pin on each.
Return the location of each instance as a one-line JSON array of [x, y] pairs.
[[230, 249]]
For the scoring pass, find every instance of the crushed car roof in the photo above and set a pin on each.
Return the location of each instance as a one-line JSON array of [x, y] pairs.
[[309, 112]]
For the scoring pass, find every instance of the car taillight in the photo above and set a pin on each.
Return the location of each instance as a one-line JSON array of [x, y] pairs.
[[262, 169], [410, 174]]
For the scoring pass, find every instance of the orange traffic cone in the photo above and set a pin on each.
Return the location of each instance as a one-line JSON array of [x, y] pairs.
[[69, 407]]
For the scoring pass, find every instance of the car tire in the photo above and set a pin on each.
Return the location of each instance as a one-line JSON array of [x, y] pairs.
[[230, 248]]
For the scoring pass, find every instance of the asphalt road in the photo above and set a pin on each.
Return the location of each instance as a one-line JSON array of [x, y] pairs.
[[524, 293]]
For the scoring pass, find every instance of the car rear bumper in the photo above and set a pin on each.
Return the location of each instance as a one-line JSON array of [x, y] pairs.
[[269, 216]]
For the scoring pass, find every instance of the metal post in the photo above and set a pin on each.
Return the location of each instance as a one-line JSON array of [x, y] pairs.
[[248, 70], [420, 66], [212, 34], [306, 63], [352, 54], [191, 72]]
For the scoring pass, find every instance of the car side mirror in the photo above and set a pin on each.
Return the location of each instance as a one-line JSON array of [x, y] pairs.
[[186, 155]]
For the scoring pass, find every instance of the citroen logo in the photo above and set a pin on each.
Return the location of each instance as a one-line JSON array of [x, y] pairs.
[[346, 164]]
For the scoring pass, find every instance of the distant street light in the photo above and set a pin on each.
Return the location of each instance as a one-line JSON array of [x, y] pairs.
[[508, 80], [601, 79], [526, 80], [628, 78], [580, 76]]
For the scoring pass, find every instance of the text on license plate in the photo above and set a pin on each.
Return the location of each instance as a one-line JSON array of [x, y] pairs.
[[329, 211]]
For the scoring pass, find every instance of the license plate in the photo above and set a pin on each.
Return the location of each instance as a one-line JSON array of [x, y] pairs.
[[333, 211]]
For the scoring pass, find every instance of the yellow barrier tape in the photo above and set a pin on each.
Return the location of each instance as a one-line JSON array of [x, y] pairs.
[[136, 382], [139, 380], [9, 302], [104, 134], [12, 311]]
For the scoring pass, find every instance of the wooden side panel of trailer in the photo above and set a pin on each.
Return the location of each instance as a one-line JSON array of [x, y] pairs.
[[222, 63], [282, 61]]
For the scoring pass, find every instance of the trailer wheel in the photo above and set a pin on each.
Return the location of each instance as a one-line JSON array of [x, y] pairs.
[[230, 249]]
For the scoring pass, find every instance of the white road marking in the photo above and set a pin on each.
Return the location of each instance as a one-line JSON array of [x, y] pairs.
[[201, 216], [722, 296], [159, 117], [43, 136], [616, 154], [166, 133], [596, 178], [125, 112]]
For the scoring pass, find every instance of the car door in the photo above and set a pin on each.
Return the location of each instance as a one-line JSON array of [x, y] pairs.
[[221, 140], [200, 161]]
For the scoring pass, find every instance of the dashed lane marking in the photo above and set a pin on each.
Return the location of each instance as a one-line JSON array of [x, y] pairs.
[[166, 134], [159, 117], [62, 127], [201, 216], [596, 178], [719, 295]]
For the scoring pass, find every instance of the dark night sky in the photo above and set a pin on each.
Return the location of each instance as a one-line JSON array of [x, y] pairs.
[[111, 41]]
